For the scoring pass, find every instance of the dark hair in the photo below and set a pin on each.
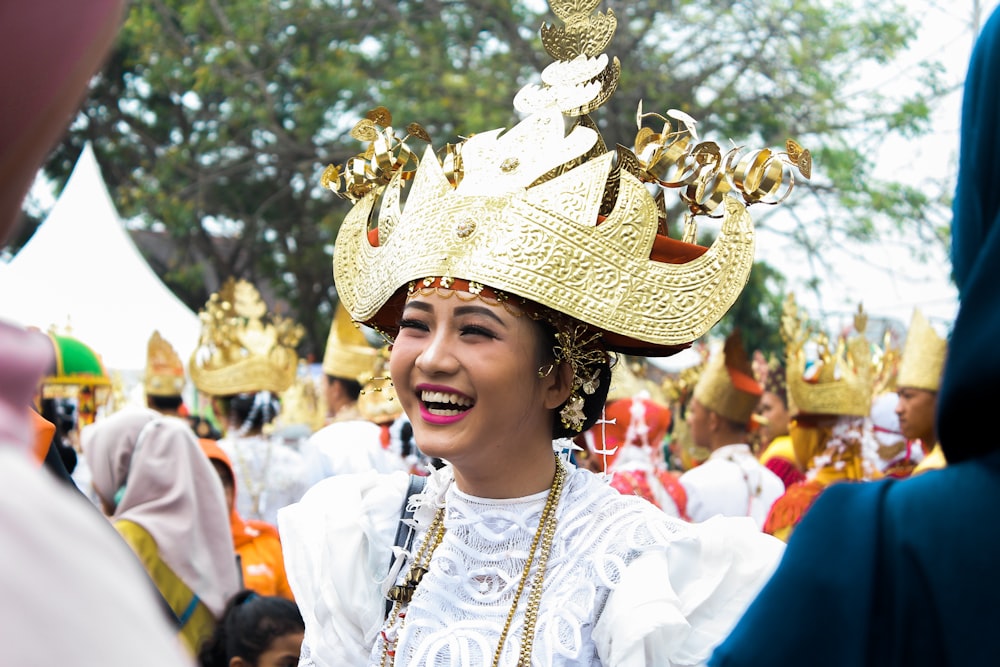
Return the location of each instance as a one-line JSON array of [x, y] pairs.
[[249, 624], [165, 402], [250, 411], [351, 387]]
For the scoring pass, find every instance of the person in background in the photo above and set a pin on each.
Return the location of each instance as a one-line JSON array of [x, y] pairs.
[[897, 455], [636, 464], [164, 380], [353, 441], [776, 451], [166, 501], [257, 543], [831, 400], [255, 631], [348, 356], [917, 384], [244, 360], [731, 482], [901, 571]]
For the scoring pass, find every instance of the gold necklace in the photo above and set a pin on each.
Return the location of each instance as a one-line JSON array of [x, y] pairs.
[[403, 593], [254, 487], [544, 534]]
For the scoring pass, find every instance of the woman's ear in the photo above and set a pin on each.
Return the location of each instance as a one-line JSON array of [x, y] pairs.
[[237, 661], [557, 385]]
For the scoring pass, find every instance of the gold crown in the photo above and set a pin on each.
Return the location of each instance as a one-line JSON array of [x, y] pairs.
[[164, 368], [241, 348], [923, 356], [301, 405], [840, 381], [735, 398], [348, 354], [544, 211], [378, 401]]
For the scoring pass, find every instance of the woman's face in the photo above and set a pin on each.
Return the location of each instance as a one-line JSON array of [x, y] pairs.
[[466, 370], [774, 410]]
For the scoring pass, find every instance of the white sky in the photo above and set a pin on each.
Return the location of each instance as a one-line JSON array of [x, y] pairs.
[[886, 278]]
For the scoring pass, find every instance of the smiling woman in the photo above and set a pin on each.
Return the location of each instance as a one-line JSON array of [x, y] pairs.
[[521, 262]]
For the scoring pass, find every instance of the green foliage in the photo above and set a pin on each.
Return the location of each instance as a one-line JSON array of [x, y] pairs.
[[217, 118]]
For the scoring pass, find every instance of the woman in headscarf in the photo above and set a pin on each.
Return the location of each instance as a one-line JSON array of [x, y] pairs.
[[166, 500]]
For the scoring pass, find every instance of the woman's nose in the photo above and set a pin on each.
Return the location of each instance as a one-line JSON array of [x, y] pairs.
[[437, 354]]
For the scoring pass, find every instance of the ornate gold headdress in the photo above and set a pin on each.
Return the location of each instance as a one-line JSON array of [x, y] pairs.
[[544, 211], [164, 368], [923, 356], [242, 349], [839, 381], [727, 385], [348, 354]]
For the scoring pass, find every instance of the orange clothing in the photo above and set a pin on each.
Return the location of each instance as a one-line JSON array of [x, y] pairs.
[[44, 430], [256, 542], [260, 556]]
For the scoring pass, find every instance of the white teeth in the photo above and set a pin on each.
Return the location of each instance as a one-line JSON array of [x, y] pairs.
[[442, 397]]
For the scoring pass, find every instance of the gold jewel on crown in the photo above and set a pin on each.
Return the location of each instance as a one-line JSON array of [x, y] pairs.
[[544, 211], [923, 356], [840, 381], [242, 348]]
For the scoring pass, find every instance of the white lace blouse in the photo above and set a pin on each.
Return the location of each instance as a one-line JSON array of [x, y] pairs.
[[625, 583]]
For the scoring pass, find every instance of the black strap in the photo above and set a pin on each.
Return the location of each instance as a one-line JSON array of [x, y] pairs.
[[404, 536]]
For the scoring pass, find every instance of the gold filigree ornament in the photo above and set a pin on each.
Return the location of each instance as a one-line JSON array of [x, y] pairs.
[[840, 380], [242, 348], [545, 212]]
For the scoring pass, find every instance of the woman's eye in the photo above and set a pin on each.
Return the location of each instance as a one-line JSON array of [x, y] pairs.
[[412, 324], [474, 330]]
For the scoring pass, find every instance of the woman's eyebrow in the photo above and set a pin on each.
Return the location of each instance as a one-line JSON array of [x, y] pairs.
[[479, 310]]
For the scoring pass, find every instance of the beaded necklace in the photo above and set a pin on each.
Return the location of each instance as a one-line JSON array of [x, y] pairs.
[[544, 534]]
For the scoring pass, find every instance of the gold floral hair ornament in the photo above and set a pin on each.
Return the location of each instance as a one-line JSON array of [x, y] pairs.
[[840, 381], [164, 374], [923, 356], [242, 348], [545, 212]]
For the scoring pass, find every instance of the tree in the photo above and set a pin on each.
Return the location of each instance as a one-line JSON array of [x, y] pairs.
[[218, 118]]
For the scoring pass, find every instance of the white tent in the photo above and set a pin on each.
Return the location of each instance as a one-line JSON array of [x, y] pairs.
[[81, 273]]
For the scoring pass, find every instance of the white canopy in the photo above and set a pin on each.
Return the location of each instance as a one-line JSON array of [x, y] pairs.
[[81, 273]]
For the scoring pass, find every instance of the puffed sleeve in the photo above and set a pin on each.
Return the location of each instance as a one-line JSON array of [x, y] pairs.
[[337, 542], [674, 605]]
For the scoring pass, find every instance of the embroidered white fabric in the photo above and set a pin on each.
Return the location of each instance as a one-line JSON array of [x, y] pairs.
[[625, 583]]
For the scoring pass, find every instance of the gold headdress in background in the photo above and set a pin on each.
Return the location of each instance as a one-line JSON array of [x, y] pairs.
[[924, 352], [544, 211], [840, 381], [241, 348], [378, 402], [727, 385], [164, 369], [348, 354]]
